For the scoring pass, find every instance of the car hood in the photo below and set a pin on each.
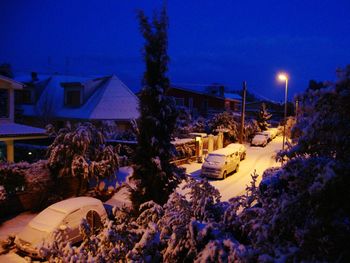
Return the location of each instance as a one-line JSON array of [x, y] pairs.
[[34, 234]]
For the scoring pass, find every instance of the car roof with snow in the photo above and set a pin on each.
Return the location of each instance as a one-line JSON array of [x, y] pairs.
[[259, 136], [69, 205], [223, 151]]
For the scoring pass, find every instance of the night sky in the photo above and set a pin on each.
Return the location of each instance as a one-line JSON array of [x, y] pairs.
[[209, 41]]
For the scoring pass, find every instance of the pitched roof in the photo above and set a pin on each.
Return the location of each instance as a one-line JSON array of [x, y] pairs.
[[203, 91], [105, 98]]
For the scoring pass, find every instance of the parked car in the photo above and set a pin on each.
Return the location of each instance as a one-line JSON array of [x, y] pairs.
[[259, 140], [242, 150], [62, 216], [220, 163], [267, 134]]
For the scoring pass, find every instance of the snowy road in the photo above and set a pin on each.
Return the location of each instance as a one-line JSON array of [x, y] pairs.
[[257, 159]]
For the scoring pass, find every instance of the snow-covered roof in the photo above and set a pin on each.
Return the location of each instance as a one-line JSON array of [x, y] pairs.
[[69, 205], [204, 90], [18, 130], [15, 84], [105, 98], [232, 96]]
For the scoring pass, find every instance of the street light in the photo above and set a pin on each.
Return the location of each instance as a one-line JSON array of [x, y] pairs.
[[284, 77]]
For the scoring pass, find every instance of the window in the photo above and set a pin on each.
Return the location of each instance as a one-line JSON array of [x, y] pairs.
[[4, 103], [73, 97], [94, 220]]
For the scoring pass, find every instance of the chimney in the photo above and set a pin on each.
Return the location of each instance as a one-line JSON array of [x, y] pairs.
[[34, 76]]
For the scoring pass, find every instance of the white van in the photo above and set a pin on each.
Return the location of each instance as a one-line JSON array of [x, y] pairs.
[[220, 163]]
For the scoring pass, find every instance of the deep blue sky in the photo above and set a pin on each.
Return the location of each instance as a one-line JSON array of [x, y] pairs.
[[209, 41]]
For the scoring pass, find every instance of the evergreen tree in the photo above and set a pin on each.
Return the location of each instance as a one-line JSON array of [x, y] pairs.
[[263, 117], [154, 176]]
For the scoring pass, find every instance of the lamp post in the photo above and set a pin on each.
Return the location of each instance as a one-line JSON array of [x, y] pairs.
[[284, 77]]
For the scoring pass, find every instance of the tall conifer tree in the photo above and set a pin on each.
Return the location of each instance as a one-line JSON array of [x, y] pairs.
[[155, 177], [263, 117]]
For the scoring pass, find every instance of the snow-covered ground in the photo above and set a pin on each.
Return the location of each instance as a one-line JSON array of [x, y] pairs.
[[258, 159]]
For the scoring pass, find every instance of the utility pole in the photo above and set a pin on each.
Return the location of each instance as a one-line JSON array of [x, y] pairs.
[[243, 111]]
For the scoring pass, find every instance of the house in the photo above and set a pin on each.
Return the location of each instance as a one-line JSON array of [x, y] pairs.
[[204, 102], [9, 130], [58, 98]]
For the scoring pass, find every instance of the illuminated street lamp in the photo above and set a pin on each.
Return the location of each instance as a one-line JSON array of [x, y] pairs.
[[284, 77]]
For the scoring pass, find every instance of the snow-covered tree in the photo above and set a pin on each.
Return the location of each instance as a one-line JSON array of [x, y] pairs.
[[323, 125], [82, 153], [183, 123], [225, 122], [262, 117], [200, 125], [155, 177]]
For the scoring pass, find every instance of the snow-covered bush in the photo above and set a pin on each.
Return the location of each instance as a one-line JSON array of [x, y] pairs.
[[82, 153], [323, 126], [225, 122], [183, 123], [32, 183], [200, 125], [178, 231], [250, 128], [185, 150], [12, 177], [111, 131]]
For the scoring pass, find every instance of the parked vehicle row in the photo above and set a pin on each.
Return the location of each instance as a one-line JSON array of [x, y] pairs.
[[264, 137], [222, 162]]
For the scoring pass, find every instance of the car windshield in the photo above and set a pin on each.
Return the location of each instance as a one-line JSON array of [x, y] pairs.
[[48, 219], [216, 158]]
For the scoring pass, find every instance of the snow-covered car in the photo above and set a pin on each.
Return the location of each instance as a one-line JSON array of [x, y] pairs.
[[259, 140], [267, 134], [242, 151], [220, 163], [63, 216]]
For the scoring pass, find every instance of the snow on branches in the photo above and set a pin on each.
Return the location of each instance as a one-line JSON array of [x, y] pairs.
[[81, 153]]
